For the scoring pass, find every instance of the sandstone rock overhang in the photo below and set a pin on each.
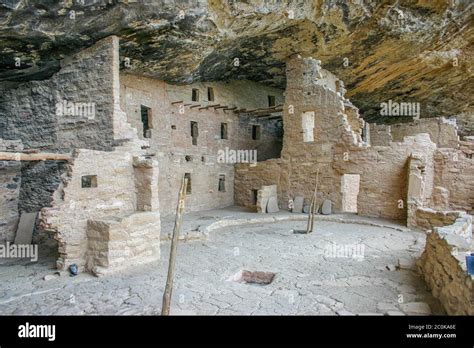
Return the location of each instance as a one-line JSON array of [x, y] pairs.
[[384, 50]]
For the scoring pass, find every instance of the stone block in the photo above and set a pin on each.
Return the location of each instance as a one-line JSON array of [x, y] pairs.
[[298, 204], [272, 206], [326, 208], [24, 233]]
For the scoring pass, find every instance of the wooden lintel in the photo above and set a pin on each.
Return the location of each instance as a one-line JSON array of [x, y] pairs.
[[226, 109], [194, 106], [270, 117], [256, 113], [251, 110], [204, 108], [177, 102], [18, 156], [264, 111], [239, 111], [221, 107]]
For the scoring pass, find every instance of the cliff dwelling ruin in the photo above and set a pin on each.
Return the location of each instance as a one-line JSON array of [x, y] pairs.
[[96, 142]]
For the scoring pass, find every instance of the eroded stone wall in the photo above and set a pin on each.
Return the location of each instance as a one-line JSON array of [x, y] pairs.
[[39, 181], [105, 211], [380, 135], [454, 172], [30, 114], [334, 144], [10, 181], [29, 110], [74, 205], [428, 219], [443, 266], [443, 132]]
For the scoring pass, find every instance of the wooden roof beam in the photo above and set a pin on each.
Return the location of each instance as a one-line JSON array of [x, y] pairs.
[[41, 156]]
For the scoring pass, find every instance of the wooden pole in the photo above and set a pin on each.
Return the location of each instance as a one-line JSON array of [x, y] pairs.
[[165, 310], [18, 156], [312, 206]]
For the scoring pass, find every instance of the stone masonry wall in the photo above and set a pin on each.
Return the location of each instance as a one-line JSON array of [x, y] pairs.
[[336, 150], [171, 139], [300, 159], [454, 172], [29, 114], [428, 219], [443, 266], [101, 186], [74, 205], [39, 181], [119, 242], [380, 135], [29, 110], [250, 179], [10, 181], [443, 132], [384, 174]]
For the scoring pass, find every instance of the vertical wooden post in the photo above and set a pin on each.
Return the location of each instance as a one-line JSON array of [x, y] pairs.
[[165, 309], [312, 206]]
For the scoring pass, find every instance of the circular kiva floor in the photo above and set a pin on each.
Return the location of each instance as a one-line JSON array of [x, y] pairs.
[[339, 269]]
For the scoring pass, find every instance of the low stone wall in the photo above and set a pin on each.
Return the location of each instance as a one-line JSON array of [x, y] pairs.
[[428, 219], [443, 266], [115, 243], [443, 132]]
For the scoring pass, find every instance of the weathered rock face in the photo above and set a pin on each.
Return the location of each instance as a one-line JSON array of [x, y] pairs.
[[410, 50]]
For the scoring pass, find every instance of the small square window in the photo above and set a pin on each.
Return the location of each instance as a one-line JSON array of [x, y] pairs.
[[256, 132], [88, 181], [271, 100]]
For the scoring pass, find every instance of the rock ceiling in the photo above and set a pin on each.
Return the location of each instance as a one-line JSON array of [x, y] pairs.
[[405, 50]]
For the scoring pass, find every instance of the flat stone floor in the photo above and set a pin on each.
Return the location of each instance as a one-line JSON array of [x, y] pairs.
[[308, 281]]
